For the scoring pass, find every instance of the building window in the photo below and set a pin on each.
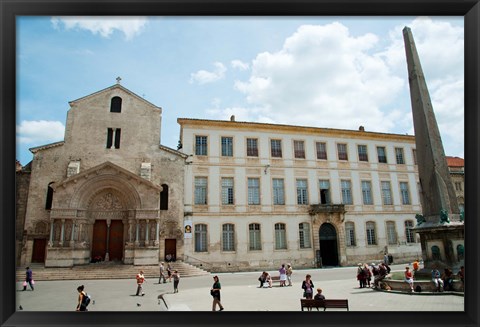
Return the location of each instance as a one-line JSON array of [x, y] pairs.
[[409, 234], [280, 237], [116, 104], [164, 197], [386, 193], [371, 238], [382, 155], [350, 234], [304, 235], [252, 147], [342, 151], [302, 194], [227, 146], [391, 233], [414, 152], [436, 253], [324, 191], [405, 193], [254, 237], [228, 237], [299, 149], [201, 145], [113, 137], [346, 192], [200, 238], [276, 148], [321, 150], [399, 156], [253, 191], [200, 190], [367, 192], [49, 200], [458, 186], [460, 252], [278, 191], [362, 153], [227, 190]]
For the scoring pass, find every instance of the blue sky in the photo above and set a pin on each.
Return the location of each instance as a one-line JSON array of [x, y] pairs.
[[335, 72]]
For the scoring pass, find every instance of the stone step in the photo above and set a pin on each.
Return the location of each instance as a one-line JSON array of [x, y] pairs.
[[105, 271]]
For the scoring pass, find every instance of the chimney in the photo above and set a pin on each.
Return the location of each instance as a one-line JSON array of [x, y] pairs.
[[232, 118], [361, 129]]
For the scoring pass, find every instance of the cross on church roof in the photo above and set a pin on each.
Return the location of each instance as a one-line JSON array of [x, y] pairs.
[[118, 80]]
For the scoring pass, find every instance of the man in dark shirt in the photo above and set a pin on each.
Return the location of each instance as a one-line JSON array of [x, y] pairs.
[[28, 279]]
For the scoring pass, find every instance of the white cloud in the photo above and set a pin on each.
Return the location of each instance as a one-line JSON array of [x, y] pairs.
[[204, 77], [105, 26], [326, 77], [39, 132], [238, 64]]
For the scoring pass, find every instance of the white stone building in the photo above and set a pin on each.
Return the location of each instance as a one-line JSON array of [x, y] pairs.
[[110, 190], [258, 195]]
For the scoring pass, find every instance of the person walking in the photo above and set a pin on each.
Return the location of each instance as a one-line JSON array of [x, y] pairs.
[[215, 292], [289, 274], [308, 286], [409, 278], [28, 279], [162, 274], [140, 280], [283, 275], [176, 280], [169, 272], [82, 297]]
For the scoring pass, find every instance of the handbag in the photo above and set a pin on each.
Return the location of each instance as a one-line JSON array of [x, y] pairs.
[[33, 282], [24, 283]]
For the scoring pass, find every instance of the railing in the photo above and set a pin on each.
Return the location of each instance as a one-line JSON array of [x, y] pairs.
[[326, 208], [202, 262]]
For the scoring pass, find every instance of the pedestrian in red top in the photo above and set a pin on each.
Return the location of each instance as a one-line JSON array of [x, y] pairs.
[[140, 280], [409, 277]]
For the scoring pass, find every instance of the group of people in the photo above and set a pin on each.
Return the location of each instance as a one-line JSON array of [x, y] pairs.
[[366, 272], [162, 273], [308, 287], [285, 276], [171, 275], [444, 281]]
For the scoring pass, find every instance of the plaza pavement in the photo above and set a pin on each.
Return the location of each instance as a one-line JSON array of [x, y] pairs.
[[240, 292]]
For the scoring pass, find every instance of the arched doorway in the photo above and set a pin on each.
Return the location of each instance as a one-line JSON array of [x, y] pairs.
[[328, 245], [107, 237]]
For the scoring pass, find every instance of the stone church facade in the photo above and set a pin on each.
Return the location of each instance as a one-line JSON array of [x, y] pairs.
[[109, 191]]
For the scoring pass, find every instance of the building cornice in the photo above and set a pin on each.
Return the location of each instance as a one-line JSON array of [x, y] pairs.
[[289, 129], [46, 146]]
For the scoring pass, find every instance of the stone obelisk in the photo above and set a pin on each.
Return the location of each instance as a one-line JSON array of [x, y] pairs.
[[441, 226]]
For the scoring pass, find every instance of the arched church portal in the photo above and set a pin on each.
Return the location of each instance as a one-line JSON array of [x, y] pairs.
[[328, 245], [108, 210]]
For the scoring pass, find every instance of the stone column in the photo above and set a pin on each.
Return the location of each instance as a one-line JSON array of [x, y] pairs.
[[146, 233], [62, 234], [157, 233], [130, 230], [137, 232], [107, 256], [72, 238]]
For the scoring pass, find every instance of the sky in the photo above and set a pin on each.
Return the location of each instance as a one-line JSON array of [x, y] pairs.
[[332, 72]]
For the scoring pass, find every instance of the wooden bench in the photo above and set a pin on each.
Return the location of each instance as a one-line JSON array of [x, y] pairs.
[[327, 303], [275, 279]]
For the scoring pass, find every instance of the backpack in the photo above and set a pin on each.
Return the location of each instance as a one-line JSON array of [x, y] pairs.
[[86, 300], [418, 289]]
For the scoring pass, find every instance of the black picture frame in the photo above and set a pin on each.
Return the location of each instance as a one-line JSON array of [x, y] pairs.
[[9, 9]]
